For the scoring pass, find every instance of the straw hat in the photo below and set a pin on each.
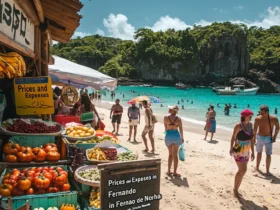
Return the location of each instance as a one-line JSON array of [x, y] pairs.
[[174, 108]]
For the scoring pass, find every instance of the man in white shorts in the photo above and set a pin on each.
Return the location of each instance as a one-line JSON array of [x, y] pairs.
[[133, 114]]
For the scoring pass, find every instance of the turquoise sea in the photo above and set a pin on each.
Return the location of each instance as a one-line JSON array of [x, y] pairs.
[[202, 98]]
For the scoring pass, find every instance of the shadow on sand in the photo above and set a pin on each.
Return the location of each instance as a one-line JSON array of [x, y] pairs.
[[179, 181], [213, 142], [248, 205], [272, 178]]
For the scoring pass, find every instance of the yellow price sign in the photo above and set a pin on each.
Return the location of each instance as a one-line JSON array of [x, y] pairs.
[[33, 95]]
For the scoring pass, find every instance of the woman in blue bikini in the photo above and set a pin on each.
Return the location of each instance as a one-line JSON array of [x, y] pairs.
[[174, 137]]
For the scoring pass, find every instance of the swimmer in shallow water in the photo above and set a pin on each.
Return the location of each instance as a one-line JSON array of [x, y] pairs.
[[183, 107]]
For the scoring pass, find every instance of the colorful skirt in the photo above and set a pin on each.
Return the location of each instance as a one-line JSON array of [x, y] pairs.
[[241, 151]]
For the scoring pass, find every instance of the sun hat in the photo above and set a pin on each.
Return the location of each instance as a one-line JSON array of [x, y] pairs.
[[133, 102], [174, 107], [246, 113]]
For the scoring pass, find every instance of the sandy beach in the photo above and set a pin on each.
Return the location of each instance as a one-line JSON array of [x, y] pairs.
[[207, 173]]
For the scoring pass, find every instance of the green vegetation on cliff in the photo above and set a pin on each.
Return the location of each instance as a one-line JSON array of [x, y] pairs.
[[160, 50]]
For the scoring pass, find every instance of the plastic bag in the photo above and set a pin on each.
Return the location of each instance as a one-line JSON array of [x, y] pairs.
[[182, 152], [101, 125]]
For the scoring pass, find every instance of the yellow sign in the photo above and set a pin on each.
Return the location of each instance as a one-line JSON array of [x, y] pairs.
[[33, 95]]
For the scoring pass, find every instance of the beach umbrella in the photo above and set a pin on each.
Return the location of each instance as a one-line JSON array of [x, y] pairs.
[[151, 99]]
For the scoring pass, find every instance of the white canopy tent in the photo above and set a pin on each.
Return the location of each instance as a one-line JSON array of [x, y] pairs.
[[67, 72]]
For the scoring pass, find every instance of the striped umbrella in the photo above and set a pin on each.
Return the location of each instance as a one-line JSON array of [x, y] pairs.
[[151, 99]]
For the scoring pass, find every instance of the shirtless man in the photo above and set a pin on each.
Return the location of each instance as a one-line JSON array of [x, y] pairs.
[[263, 131], [117, 111]]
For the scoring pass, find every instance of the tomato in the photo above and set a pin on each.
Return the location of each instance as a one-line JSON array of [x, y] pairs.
[[7, 175], [64, 172], [10, 182], [59, 169], [45, 174], [65, 187], [54, 173], [50, 147], [11, 149], [6, 190], [11, 158], [41, 182], [17, 192], [39, 154], [30, 191], [53, 156], [39, 169], [25, 149], [12, 177], [46, 168], [53, 189], [40, 191], [60, 179], [16, 172], [24, 184], [25, 156], [30, 173]]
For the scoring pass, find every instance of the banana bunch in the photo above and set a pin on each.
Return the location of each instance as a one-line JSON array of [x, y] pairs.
[[12, 65]]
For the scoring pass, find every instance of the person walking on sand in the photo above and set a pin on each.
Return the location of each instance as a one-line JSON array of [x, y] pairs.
[[210, 123], [263, 131], [173, 137], [149, 127], [240, 146], [117, 111], [133, 114]]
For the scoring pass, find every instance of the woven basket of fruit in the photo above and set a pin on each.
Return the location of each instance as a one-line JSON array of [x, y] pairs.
[[79, 133], [88, 175], [30, 127]]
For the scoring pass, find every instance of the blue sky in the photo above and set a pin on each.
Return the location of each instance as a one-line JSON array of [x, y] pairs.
[[120, 18]]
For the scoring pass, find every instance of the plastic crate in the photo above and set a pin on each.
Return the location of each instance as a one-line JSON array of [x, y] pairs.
[[63, 119], [48, 199], [32, 141]]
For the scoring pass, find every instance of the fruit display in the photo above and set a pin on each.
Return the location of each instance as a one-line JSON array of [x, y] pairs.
[[94, 198], [67, 207], [30, 126], [96, 154], [12, 65], [111, 154], [92, 174], [98, 139], [79, 131], [126, 156], [17, 153], [34, 180]]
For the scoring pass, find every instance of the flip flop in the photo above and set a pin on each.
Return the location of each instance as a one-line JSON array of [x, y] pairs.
[[145, 150], [176, 175], [169, 174]]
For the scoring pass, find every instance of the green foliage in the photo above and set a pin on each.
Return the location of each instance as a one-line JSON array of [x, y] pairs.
[[159, 50]]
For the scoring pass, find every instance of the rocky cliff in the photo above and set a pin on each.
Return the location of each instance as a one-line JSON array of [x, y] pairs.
[[220, 59]]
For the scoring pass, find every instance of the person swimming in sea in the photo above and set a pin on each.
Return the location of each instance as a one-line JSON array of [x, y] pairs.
[[248, 106], [275, 111], [182, 100], [192, 102], [218, 105], [183, 107], [234, 106], [178, 102], [161, 105], [226, 110]]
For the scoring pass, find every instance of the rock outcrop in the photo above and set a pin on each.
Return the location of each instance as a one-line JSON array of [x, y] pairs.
[[219, 60], [260, 79]]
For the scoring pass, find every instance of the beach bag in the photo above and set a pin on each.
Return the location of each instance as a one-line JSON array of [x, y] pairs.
[[154, 118], [182, 152], [86, 117]]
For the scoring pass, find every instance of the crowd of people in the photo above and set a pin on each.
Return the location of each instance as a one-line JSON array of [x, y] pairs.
[[262, 133]]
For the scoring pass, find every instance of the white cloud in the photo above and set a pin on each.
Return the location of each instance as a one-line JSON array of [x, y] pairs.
[[167, 22], [118, 26], [270, 18], [239, 7], [80, 34], [220, 10], [100, 32]]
